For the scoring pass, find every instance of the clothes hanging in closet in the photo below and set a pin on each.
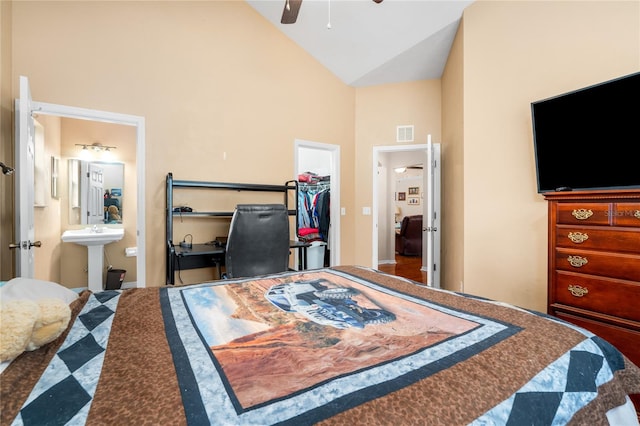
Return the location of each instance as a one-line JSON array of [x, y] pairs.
[[313, 211]]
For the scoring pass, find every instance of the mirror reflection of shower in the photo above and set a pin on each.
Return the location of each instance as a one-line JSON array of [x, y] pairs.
[[95, 192]]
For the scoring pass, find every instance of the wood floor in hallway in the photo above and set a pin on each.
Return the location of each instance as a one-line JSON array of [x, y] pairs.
[[406, 267]]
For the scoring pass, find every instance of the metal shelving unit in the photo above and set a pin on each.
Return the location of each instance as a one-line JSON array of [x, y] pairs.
[[214, 253]]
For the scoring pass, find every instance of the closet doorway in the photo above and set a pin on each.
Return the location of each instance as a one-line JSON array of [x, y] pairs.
[[323, 160]]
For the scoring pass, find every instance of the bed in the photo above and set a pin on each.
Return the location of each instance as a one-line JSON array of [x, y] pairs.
[[333, 346]]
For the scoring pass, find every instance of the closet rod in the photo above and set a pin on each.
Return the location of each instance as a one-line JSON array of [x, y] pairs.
[[305, 185]]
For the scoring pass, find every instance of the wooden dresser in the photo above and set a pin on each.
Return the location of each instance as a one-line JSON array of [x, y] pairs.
[[594, 264]]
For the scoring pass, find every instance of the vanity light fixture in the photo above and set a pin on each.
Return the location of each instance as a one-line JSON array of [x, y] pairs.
[[96, 146]]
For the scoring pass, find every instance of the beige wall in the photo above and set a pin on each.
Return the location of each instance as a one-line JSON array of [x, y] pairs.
[[452, 173], [6, 144], [214, 77], [516, 53], [379, 110], [213, 80]]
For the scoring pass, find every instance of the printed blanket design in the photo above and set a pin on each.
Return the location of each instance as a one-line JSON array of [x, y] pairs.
[[343, 345], [292, 344]]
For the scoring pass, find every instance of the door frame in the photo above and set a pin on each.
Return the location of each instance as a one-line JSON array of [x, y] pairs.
[[138, 122], [25, 180], [433, 208], [334, 199], [377, 150]]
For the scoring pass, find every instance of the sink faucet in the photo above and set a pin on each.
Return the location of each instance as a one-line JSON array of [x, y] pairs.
[[96, 230]]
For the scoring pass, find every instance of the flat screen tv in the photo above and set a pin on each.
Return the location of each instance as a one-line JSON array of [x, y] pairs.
[[589, 139]]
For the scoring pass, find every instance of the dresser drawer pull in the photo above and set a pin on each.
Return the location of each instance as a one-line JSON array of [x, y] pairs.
[[578, 237], [577, 291], [582, 214], [577, 261], [636, 214]]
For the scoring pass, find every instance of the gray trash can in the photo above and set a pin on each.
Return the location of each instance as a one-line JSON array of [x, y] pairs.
[[115, 278]]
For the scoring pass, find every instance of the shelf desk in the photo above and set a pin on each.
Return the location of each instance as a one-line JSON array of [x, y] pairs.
[[210, 255]]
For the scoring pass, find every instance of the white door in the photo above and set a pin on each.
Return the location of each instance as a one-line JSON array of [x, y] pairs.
[[92, 201], [24, 183], [431, 223], [431, 205]]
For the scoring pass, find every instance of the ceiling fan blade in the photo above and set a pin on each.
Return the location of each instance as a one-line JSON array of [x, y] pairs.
[[290, 12], [378, 1]]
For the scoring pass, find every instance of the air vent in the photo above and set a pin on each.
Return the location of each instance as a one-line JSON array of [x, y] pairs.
[[404, 134]]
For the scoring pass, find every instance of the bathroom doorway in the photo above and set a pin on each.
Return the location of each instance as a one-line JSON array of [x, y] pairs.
[[26, 108]]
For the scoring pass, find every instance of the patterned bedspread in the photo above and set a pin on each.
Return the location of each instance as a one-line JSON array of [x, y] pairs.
[[343, 345]]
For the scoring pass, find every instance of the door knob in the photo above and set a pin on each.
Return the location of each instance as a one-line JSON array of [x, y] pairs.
[[26, 245]]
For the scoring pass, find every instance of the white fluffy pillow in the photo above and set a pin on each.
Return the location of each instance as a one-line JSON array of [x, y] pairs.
[[32, 289]]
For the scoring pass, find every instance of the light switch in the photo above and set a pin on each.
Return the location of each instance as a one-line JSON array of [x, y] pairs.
[[366, 211], [343, 211]]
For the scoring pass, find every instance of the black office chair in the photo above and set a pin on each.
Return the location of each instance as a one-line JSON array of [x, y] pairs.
[[258, 241]]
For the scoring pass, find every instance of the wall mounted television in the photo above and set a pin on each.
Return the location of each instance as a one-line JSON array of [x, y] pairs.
[[589, 139]]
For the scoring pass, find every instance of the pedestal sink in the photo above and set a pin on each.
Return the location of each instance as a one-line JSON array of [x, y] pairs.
[[94, 238]]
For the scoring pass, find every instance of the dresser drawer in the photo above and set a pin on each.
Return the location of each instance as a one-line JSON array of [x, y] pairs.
[[625, 240], [615, 265], [584, 213], [626, 340], [607, 296], [626, 214]]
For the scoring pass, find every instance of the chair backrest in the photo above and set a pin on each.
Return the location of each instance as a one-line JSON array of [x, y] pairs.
[[411, 226], [258, 241]]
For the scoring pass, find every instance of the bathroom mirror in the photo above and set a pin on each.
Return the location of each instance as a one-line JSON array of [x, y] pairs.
[[96, 190]]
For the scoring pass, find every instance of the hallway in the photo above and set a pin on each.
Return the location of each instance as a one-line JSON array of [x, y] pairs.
[[407, 267]]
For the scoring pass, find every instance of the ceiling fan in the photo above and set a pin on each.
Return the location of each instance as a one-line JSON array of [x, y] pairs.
[[403, 169], [291, 9]]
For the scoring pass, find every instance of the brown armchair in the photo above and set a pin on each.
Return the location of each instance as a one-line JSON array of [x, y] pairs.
[[409, 239]]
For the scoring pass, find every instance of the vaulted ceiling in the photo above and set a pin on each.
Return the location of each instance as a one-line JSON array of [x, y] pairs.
[[365, 43]]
